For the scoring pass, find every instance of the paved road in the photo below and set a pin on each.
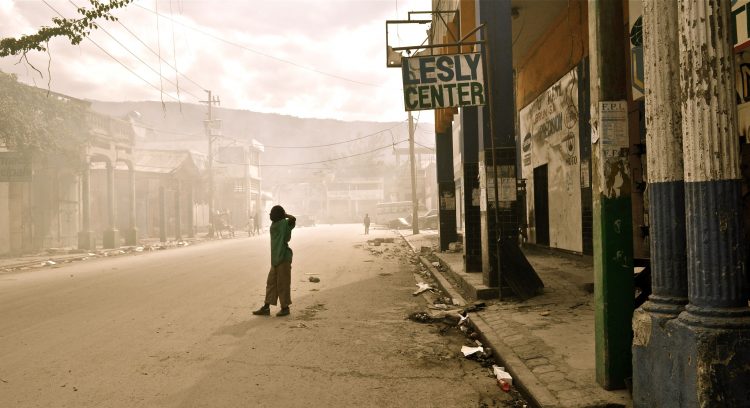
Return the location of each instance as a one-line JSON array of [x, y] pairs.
[[173, 329]]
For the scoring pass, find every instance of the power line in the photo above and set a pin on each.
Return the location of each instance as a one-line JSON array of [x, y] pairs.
[[203, 88], [335, 143], [139, 58], [166, 131], [426, 147], [338, 158], [263, 53], [111, 56]]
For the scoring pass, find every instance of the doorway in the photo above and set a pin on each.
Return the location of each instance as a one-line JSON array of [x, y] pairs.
[[541, 205]]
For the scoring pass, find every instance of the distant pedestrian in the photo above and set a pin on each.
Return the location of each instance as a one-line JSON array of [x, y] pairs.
[[367, 224], [251, 227], [258, 223], [278, 284]]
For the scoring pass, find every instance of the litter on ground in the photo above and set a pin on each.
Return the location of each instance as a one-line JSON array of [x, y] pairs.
[[422, 287], [467, 351]]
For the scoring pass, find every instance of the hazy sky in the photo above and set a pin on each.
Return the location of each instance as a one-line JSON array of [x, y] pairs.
[[307, 58]]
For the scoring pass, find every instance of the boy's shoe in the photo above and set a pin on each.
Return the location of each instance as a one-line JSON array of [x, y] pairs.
[[283, 312], [263, 311]]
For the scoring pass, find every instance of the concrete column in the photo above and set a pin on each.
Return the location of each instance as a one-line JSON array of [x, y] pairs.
[[177, 213], [111, 235], [713, 333], [498, 144], [611, 190], [446, 186], [191, 210], [86, 239], [162, 215], [653, 363], [665, 159], [472, 219], [131, 236]]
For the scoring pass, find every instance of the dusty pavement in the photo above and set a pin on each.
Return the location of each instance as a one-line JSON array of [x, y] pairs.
[[174, 329]]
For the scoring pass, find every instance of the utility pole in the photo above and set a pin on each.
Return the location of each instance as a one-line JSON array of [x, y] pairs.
[[612, 219], [209, 134], [412, 164]]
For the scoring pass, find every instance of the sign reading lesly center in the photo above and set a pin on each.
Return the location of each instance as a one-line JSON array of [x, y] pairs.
[[443, 81]]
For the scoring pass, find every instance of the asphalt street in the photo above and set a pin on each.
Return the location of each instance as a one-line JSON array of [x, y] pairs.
[[173, 328]]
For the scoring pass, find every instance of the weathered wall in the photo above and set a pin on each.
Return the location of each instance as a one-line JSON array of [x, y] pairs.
[[549, 135]]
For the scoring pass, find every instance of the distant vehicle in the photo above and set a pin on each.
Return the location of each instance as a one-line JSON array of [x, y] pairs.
[[394, 214], [429, 220], [398, 223]]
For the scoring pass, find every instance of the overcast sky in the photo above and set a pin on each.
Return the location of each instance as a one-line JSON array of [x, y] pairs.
[[307, 58]]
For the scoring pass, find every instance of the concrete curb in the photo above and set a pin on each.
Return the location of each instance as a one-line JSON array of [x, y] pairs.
[[523, 378]]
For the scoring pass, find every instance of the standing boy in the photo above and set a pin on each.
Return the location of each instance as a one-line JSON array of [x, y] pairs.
[[280, 275], [367, 224]]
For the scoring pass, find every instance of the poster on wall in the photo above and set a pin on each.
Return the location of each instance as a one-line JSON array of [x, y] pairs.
[[549, 135]]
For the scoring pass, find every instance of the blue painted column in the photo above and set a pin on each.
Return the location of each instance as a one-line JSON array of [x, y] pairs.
[[654, 365], [713, 333]]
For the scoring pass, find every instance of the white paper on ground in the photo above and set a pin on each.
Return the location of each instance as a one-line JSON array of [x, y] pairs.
[[422, 288], [471, 350]]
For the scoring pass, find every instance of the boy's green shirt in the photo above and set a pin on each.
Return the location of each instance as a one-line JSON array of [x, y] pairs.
[[281, 233]]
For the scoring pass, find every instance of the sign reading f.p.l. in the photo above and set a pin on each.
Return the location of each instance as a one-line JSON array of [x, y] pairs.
[[443, 81]]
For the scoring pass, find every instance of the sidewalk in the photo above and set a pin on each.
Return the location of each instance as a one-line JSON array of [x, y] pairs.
[[547, 342], [54, 256]]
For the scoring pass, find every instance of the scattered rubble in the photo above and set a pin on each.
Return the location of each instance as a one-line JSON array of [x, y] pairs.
[[314, 279], [421, 317]]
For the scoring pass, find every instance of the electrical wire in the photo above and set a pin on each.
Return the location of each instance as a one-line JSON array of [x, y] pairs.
[[111, 56], [317, 71], [203, 88], [426, 147], [174, 56], [336, 143], [338, 158], [167, 131], [177, 85], [158, 42]]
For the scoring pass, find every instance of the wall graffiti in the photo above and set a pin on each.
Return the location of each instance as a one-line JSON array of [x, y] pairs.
[[550, 135]]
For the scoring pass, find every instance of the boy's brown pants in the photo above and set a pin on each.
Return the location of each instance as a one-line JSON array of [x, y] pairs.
[[278, 284]]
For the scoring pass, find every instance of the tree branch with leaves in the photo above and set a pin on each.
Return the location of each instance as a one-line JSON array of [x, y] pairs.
[[75, 29]]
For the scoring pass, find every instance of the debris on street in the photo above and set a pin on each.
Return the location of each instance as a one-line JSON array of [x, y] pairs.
[[476, 307], [421, 317], [422, 287], [504, 379], [467, 351], [314, 279]]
